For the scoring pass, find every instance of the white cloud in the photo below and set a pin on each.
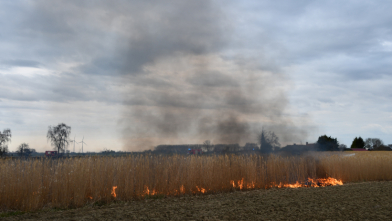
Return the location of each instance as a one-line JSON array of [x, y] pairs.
[[387, 45], [27, 71]]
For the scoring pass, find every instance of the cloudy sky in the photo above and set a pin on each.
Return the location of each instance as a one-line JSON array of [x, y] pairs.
[[129, 75]]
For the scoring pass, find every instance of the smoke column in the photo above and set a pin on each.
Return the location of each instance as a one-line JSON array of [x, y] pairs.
[[182, 71], [185, 86]]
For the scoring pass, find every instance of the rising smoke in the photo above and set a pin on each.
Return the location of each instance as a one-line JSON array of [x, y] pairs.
[[190, 87], [183, 71]]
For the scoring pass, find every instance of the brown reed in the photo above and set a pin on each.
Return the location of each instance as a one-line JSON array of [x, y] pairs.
[[73, 182]]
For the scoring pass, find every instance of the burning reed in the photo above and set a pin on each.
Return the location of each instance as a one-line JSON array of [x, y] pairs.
[[66, 183]]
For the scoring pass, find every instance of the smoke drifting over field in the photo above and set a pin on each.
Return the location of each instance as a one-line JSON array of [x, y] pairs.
[[184, 85], [138, 73], [182, 70]]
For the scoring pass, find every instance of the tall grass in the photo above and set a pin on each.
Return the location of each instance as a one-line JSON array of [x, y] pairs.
[[66, 183], [363, 166]]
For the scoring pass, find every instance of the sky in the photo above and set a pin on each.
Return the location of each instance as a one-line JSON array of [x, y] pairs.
[[130, 75]]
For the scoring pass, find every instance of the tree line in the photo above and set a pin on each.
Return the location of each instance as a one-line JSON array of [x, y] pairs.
[[58, 136], [369, 144], [269, 142]]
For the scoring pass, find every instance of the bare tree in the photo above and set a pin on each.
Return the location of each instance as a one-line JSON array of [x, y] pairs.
[[372, 143], [342, 147], [3, 150], [24, 150], [58, 136], [5, 137], [207, 144], [108, 151], [268, 141]]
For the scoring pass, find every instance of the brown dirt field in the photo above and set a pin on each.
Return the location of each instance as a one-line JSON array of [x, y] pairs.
[[355, 201]]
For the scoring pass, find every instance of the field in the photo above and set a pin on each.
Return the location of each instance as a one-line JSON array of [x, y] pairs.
[[353, 201], [30, 185]]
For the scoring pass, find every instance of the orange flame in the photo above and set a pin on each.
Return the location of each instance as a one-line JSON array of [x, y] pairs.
[[295, 185], [114, 191], [147, 191], [241, 184], [202, 190], [250, 185], [325, 182], [311, 183]]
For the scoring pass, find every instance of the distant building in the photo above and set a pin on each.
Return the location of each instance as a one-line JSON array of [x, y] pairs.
[[358, 149], [382, 148], [180, 149], [251, 146], [185, 148], [298, 149], [226, 147]]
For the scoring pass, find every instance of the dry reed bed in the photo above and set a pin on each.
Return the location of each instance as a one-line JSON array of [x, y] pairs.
[[358, 166], [65, 183]]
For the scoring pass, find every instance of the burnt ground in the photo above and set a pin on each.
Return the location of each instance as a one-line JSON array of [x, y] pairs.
[[355, 201]]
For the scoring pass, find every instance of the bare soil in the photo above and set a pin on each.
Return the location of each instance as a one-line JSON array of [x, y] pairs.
[[355, 201]]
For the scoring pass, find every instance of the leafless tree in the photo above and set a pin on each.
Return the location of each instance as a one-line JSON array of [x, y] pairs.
[[58, 136], [268, 141], [207, 144], [5, 137], [342, 147], [24, 150], [372, 143], [108, 151]]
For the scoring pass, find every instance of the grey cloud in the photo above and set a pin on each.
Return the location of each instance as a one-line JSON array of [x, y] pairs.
[[212, 79], [20, 63], [326, 100], [321, 31], [137, 33], [149, 81], [54, 88]]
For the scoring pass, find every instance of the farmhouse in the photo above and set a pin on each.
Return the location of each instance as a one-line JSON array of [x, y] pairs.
[[179, 149], [298, 149], [358, 149], [251, 147], [185, 148]]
